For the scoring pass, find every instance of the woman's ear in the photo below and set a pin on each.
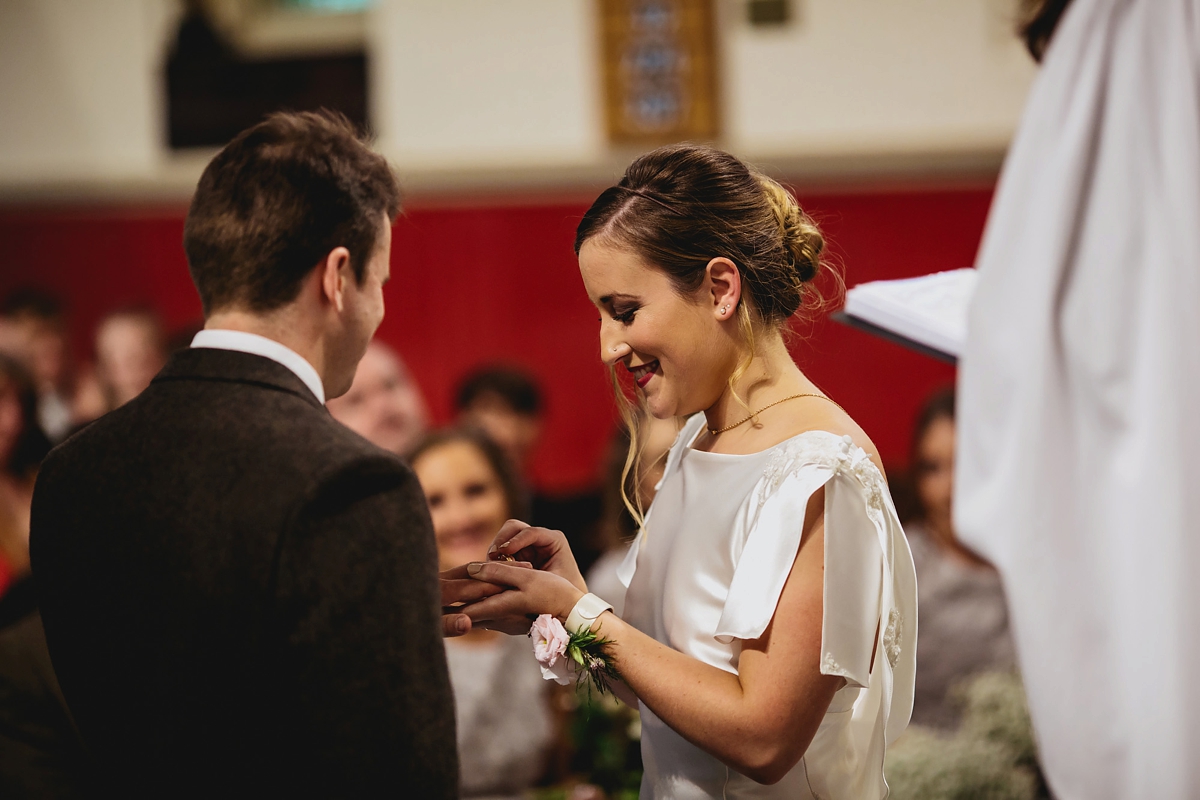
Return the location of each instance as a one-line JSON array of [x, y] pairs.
[[335, 272], [724, 287]]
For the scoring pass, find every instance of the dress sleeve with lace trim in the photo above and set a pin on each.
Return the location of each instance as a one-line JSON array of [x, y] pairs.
[[870, 585]]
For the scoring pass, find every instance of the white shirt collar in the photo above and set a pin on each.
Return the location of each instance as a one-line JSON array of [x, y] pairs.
[[267, 348]]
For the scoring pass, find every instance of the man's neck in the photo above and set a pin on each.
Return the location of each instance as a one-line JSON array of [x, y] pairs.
[[278, 326]]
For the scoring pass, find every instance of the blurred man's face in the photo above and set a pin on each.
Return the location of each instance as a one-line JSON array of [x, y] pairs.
[[40, 344], [517, 433], [129, 353], [383, 405]]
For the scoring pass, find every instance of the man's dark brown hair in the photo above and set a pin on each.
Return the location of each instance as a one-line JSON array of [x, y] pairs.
[[28, 302], [513, 387], [272, 204]]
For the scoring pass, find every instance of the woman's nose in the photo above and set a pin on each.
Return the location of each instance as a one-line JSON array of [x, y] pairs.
[[455, 517], [612, 347]]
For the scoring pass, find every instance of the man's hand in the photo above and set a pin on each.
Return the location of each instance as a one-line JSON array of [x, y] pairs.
[[454, 624], [459, 590], [542, 548]]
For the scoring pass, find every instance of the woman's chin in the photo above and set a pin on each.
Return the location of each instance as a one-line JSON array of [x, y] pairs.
[[457, 554], [659, 407]]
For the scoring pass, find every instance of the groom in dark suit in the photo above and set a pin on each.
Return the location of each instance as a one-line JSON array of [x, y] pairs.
[[239, 594]]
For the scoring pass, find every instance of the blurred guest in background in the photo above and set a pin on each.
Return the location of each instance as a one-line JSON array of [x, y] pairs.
[[964, 621], [131, 348], [640, 478], [508, 404], [35, 332], [384, 405], [40, 752], [22, 447], [90, 400], [971, 735], [505, 723]]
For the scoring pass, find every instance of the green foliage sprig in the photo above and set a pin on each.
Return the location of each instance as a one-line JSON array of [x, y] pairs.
[[597, 667]]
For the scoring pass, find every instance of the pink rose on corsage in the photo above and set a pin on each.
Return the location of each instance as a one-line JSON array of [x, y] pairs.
[[550, 648]]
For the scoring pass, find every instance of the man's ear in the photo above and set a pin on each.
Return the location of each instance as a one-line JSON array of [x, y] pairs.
[[335, 272], [724, 287]]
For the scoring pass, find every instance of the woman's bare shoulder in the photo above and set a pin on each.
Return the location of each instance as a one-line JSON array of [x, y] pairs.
[[832, 418]]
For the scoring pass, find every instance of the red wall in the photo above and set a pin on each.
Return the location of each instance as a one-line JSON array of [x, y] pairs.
[[477, 284]]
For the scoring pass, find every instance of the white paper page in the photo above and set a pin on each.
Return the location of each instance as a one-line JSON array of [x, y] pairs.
[[931, 309]]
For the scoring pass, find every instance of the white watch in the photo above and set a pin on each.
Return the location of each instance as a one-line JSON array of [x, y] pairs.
[[585, 613]]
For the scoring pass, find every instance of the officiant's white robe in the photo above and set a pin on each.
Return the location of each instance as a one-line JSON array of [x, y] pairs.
[[1078, 469]]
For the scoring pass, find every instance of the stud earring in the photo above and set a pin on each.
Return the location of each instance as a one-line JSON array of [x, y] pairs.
[[724, 309]]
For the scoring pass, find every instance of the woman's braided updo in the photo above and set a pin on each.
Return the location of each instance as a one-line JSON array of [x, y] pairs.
[[680, 206], [802, 240]]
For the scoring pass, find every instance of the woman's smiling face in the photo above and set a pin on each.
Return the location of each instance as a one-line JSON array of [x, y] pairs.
[[466, 500], [674, 346]]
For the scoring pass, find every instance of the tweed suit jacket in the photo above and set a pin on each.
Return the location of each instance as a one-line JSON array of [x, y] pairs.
[[240, 595]]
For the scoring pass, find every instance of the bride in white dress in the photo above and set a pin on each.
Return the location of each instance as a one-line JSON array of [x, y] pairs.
[[769, 626]]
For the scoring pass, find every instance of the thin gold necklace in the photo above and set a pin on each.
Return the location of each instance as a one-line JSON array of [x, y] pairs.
[[764, 408]]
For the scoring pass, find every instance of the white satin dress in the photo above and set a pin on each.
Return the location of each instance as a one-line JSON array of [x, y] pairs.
[[706, 571]]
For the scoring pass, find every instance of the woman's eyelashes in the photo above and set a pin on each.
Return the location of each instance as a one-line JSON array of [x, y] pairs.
[[624, 316], [620, 313]]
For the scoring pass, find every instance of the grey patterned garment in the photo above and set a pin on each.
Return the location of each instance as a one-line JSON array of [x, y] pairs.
[[504, 718], [963, 631]]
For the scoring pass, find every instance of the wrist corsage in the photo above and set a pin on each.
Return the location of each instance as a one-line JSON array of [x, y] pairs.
[[580, 651]]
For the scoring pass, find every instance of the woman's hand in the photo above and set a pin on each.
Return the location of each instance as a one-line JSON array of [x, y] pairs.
[[525, 594], [545, 549]]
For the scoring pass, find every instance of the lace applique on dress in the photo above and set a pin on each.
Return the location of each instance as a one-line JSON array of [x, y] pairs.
[[831, 667], [893, 636], [839, 454], [843, 457]]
